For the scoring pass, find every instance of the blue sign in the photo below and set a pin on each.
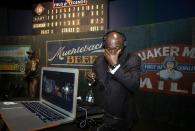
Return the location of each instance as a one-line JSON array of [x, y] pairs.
[[74, 53]]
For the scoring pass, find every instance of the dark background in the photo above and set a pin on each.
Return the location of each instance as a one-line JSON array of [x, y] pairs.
[[145, 22], [16, 16]]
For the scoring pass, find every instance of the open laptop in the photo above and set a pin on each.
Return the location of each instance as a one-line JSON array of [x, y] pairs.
[[58, 95]]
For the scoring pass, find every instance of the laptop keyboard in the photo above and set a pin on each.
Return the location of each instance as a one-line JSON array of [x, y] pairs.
[[42, 112]]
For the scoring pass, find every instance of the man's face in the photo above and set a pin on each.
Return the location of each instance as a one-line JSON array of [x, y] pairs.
[[113, 42]]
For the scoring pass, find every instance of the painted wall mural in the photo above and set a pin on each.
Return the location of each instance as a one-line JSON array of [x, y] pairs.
[[168, 69], [13, 59]]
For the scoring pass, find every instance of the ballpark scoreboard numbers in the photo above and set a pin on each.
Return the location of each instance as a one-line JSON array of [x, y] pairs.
[[61, 16]]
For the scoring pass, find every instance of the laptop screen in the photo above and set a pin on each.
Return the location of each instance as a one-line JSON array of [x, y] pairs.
[[59, 88]]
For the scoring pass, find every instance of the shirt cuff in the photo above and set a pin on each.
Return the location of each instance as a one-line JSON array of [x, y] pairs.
[[112, 71]]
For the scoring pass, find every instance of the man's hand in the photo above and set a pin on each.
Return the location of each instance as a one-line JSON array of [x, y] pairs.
[[112, 56]]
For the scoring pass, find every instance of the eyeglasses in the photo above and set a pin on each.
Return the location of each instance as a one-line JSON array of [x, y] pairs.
[[114, 48]]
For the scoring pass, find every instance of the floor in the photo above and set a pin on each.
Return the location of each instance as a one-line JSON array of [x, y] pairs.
[[153, 125], [143, 125]]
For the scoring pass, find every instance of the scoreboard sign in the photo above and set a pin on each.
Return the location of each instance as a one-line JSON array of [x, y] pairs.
[[68, 3], [69, 16]]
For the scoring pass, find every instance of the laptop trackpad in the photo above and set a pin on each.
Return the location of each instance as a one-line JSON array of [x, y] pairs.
[[21, 119]]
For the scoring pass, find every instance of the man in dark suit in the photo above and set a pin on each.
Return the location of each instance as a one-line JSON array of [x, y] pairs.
[[115, 79]]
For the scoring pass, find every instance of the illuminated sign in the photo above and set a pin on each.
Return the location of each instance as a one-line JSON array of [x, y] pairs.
[[168, 69], [39, 9], [89, 17], [68, 3]]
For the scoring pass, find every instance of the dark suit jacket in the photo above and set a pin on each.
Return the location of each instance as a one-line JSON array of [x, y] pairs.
[[115, 93]]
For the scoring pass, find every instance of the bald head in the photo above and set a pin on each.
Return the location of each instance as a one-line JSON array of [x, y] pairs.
[[114, 39]]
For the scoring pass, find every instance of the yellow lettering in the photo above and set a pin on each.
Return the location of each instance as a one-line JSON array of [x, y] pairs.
[[70, 60], [80, 59]]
